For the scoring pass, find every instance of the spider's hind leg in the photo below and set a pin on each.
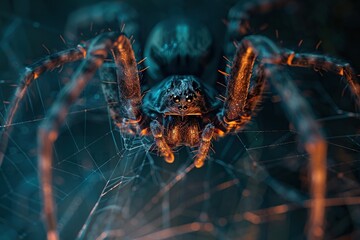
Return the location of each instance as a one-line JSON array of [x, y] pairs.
[[100, 17], [239, 16]]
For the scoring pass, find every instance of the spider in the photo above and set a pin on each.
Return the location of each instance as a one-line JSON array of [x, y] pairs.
[[182, 109]]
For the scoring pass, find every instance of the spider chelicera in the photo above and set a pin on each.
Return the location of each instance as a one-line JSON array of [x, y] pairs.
[[182, 109]]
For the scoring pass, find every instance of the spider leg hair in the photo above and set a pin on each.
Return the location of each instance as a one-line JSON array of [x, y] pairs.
[[260, 48], [48, 130], [31, 73]]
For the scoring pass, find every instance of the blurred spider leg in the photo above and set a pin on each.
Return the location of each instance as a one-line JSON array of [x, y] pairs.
[[103, 14], [239, 16], [48, 129], [299, 113], [326, 64], [33, 72], [165, 151], [124, 94], [204, 147]]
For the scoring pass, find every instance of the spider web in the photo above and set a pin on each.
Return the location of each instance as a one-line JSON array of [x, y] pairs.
[[110, 186]]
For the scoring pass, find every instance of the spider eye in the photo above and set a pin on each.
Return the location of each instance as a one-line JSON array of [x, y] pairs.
[[189, 98], [176, 98]]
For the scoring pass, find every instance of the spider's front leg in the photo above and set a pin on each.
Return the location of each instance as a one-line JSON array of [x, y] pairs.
[[243, 91], [242, 97], [48, 131], [121, 87]]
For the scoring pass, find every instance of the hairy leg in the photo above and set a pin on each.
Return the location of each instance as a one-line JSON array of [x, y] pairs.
[[299, 113], [243, 90], [31, 73], [122, 90], [48, 131], [165, 151]]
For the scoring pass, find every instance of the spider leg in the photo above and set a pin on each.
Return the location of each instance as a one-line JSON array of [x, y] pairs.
[[103, 14], [124, 94], [33, 72], [243, 91], [48, 131], [165, 151], [299, 113], [324, 63], [240, 14], [205, 142]]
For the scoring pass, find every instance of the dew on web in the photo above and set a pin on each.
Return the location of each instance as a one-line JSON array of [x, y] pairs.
[[113, 186]]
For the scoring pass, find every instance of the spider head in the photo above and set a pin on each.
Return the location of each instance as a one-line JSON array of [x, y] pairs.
[[183, 97], [180, 95]]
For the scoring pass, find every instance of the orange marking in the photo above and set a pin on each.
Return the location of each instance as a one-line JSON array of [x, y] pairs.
[[341, 72], [144, 132], [142, 60], [170, 158], [199, 163], [36, 75], [290, 58], [219, 132], [53, 136], [82, 50], [251, 217], [223, 73]]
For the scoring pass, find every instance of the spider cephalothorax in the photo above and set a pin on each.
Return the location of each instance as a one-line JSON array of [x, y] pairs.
[[184, 104], [180, 95], [182, 109]]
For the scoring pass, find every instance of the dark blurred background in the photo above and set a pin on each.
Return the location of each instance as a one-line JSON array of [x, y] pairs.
[[248, 174]]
